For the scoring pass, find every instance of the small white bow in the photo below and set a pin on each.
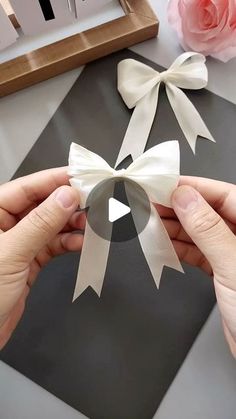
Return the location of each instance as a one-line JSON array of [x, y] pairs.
[[157, 172], [139, 86]]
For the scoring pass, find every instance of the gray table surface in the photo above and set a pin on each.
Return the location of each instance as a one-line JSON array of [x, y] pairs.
[[205, 384]]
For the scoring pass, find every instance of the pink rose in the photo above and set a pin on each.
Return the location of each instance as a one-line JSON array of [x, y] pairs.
[[205, 26]]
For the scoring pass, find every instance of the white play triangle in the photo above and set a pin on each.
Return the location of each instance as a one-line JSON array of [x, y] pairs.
[[116, 210]]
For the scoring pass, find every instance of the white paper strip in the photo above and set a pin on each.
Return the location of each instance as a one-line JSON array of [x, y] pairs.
[[8, 34], [31, 17]]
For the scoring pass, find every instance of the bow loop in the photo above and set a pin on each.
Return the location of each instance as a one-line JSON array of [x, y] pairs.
[[135, 80], [82, 160], [157, 172], [87, 170], [189, 71]]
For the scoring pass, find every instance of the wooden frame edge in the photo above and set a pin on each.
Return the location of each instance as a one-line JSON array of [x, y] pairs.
[[139, 24]]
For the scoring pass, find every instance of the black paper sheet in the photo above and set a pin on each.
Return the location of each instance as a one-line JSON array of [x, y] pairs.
[[115, 357]]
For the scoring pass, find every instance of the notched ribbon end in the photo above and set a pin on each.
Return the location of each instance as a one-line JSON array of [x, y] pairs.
[[82, 289], [180, 269], [202, 136]]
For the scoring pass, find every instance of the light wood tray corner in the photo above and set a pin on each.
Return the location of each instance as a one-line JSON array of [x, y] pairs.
[[138, 24]]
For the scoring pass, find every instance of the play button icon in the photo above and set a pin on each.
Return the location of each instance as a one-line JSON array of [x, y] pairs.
[[116, 210]]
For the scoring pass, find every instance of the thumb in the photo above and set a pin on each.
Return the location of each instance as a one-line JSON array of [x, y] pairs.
[[208, 231], [42, 224]]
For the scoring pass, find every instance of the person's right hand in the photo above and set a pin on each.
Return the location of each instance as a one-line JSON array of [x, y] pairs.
[[202, 228]]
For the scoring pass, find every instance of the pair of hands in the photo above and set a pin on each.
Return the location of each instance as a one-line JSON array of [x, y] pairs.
[[38, 217]]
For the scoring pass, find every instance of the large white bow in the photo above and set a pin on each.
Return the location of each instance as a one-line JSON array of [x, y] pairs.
[[139, 86], [157, 172]]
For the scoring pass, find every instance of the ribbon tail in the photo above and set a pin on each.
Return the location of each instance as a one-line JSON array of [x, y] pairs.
[[93, 262], [187, 116], [95, 250], [154, 239], [157, 247], [139, 127]]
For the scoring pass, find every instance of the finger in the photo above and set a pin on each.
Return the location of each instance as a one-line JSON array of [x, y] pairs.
[[21, 193], [42, 224], [176, 231], [72, 242], [7, 220], [208, 231], [165, 212], [191, 255], [62, 243], [220, 195], [76, 222]]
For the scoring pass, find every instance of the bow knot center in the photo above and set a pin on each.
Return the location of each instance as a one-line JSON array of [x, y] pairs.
[[119, 173], [164, 76]]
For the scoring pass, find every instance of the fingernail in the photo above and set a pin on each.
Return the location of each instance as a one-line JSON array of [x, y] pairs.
[[185, 198], [65, 197]]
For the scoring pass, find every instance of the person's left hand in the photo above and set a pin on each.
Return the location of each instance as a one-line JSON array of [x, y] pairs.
[[37, 220]]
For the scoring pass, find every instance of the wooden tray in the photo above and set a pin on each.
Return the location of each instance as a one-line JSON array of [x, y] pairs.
[[138, 24]]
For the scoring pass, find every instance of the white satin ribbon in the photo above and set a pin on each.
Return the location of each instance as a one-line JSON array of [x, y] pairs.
[[157, 172], [139, 87]]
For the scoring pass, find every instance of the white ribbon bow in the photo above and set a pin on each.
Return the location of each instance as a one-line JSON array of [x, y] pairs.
[[157, 172], [139, 86]]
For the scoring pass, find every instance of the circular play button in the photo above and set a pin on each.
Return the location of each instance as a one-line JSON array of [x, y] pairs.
[[118, 209]]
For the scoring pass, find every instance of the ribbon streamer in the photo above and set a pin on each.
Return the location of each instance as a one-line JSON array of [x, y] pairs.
[[139, 87], [157, 172]]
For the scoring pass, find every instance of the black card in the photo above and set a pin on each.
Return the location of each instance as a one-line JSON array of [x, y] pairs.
[[115, 357]]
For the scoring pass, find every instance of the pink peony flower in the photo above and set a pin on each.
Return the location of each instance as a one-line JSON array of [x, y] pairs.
[[205, 26]]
